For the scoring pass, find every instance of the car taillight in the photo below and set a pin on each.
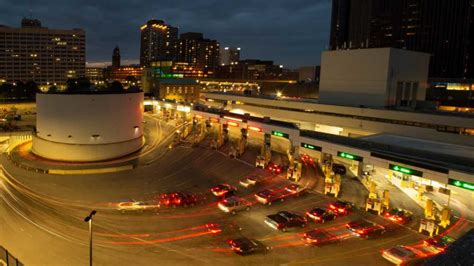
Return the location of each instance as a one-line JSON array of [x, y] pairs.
[[341, 210], [332, 206], [360, 232]]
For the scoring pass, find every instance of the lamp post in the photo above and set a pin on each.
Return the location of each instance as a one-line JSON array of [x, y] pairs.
[[88, 219]]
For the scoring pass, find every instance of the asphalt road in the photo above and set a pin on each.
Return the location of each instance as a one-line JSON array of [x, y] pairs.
[[42, 215]]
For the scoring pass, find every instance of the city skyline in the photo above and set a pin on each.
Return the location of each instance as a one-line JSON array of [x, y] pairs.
[[296, 38]]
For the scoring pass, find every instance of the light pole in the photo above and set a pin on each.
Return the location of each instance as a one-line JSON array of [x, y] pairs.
[[88, 219]]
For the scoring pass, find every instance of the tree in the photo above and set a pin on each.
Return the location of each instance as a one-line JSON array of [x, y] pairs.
[[115, 86], [53, 89], [31, 88]]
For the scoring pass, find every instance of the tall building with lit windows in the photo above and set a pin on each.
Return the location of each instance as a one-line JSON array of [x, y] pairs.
[[442, 28], [197, 51], [158, 42], [229, 55], [36, 53]]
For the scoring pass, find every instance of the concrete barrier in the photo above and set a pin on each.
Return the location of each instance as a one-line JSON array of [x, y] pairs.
[[90, 171]]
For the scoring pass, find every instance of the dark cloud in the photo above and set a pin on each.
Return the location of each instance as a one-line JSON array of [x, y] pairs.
[[290, 32]]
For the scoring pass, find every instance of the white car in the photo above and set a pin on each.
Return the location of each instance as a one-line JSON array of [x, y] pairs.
[[135, 206], [295, 189], [234, 204], [403, 255], [251, 180]]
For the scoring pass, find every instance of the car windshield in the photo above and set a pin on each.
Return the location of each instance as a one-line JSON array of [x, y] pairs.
[[401, 252], [318, 211], [316, 234]]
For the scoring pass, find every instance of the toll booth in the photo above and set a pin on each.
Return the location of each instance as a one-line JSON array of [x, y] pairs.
[[332, 185], [430, 226], [294, 171], [265, 154]]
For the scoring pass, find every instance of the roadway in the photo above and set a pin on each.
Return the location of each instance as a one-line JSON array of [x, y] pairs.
[[42, 215]]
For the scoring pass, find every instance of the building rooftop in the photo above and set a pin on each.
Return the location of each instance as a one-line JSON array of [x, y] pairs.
[[424, 154], [314, 101]]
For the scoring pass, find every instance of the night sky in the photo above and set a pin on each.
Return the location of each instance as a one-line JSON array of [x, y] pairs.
[[290, 32]]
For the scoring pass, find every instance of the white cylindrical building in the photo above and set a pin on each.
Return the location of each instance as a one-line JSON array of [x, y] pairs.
[[88, 127]]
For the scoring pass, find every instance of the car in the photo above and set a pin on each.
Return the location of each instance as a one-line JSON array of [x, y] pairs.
[[234, 204], [274, 168], [223, 190], [365, 229], [251, 180], [295, 189], [135, 206], [398, 215], [403, 255], [284, 220], [339, 169], [268, 196], [246, 246], [175, 199], [307, 159], [341, 207], [320, 215], [319, 237], [440, 242]]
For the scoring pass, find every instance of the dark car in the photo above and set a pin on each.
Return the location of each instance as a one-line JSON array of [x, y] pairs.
[[341, 207], [285, 220], [339, 169], [321, 215], [223, 190], [365, 229], [439, 242], [246, 246], [175, 199], [398, 215], [319, 237]]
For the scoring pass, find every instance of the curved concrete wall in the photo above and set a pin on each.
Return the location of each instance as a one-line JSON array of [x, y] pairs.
[[88, 127], [83, 152]]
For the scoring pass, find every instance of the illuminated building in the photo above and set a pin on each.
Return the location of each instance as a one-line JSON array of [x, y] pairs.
[[95, 74], [197, 51], [229, 55], [158, 42], [126, 73], [251, 69], [444, 29], [181, 90], [46, 56]]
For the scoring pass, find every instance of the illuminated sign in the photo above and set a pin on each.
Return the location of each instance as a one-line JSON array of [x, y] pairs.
[[234, 124], [182, 108], [405, 170], [311, 147], [461, 184], [280, 134], [350, 156], [254, 128]]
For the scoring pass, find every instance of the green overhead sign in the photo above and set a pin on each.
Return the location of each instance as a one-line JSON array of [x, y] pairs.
[[280, 134], [349, 156], [405, 170], [461, 184], [311, 147]]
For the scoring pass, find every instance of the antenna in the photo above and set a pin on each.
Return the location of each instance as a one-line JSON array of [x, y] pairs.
[[31, 10]]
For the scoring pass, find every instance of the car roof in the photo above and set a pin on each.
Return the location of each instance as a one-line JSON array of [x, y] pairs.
[[233, 199], [318, 232]]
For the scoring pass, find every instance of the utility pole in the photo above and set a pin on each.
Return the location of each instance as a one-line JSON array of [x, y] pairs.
[[88, 219]]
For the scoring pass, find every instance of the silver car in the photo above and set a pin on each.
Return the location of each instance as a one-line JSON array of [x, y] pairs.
[[234, 204]]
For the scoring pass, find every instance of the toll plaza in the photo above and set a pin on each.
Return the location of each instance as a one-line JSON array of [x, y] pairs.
[[421, 174]]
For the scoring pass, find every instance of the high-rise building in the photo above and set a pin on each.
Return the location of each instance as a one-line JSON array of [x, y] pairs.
[[197, 51], [158, 42], [229, 55], [116, 57], [36, 53], [444, 29]]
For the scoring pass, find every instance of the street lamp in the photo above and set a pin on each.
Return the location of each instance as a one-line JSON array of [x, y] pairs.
[[89, 220]]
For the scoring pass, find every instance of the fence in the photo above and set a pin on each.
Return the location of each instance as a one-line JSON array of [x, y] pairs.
[[6, 259]]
